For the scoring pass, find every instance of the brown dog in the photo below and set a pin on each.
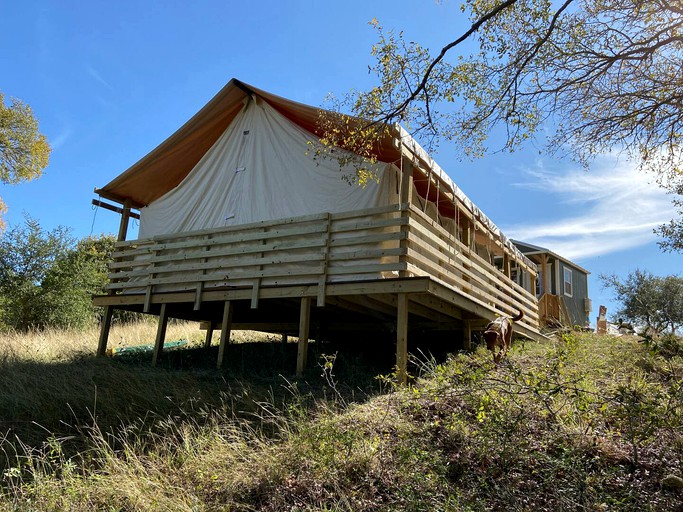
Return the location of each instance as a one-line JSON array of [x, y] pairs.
[[498, 335]]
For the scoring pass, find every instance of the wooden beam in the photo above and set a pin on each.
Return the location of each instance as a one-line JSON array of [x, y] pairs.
[[437, 305], [104, 332], [402, 339], [111, 207], [198, 296], [546, 274], [125, 216], [406, 180], [225, 331], [209, 335], [304, 328], [406, 199], [161, 334], [256, 288], [421, 284], [467, 339], [507, 265]]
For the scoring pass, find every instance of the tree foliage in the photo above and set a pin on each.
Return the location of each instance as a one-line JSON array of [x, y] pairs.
[[594, 75], [47, 278], [655, 303], [24, 151]]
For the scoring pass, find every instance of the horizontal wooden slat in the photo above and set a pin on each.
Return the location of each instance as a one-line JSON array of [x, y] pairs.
[[227, 229], [359, 245], [237, 238], [464, 253], [225, 264]]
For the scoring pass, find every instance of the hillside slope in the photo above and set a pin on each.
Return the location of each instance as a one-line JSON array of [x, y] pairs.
[[581, 423]]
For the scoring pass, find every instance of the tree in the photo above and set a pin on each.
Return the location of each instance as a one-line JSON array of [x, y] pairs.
[[72, 281], [47, 278], [656, 303], [598, 75], [24, 151]]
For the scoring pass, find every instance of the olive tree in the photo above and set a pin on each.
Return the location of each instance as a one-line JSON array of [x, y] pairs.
[[655, 303]]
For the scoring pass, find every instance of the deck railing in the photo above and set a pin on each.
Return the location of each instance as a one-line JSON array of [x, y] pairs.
[[386, 242]]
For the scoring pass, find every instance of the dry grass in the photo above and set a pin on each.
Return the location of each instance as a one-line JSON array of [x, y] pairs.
[[52, 345], [583, 423]]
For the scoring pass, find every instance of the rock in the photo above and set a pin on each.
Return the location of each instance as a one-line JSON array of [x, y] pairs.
[[672, 482]]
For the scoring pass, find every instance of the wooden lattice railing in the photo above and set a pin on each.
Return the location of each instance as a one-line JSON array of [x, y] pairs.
[[386, 242]]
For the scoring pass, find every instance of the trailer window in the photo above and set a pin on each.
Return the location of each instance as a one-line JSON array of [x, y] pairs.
[[568, 286]]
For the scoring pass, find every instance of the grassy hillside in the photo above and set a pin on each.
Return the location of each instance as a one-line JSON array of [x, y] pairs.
[[580, 423]]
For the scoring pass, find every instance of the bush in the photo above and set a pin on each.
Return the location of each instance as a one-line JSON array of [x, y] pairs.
[[47, 278]]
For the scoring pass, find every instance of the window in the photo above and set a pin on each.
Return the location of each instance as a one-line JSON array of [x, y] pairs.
[[568, 287]]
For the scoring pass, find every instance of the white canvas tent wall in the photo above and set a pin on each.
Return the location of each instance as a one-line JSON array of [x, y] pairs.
[[261, 169]]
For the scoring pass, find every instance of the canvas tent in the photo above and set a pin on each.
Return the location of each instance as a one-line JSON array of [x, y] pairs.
[[240, 219], [261, 169], [210, 173]]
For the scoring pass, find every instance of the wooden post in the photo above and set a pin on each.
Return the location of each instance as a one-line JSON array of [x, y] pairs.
[[225, 332], [161, 334], [402, 339], [125, 216], [507, 265], [104, 332], [322, 284], [406, 198], [467, 341], [406, 180], [467, 234], [545, 285], [304, 327], [209, 335]]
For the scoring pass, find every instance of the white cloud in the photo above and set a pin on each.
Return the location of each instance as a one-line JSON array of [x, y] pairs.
[[615, 207]]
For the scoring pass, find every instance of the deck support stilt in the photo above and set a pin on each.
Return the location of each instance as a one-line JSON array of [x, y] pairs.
[[225, 332], [209, 335], [161, 334], [467, 335], [402, 339], [304, 328], [104, 332]]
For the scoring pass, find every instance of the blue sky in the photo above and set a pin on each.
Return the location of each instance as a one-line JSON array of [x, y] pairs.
[[111, 80]]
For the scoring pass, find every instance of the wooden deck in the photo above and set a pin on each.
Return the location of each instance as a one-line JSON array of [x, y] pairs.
[[392, 267]]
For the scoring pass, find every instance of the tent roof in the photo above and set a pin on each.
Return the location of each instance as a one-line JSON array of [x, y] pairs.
[[170, 162]]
